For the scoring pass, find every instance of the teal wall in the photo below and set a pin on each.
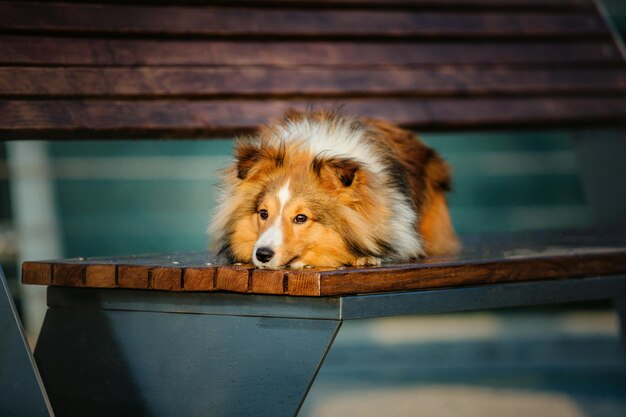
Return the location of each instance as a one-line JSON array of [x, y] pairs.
[[512, 181], [131, 197]]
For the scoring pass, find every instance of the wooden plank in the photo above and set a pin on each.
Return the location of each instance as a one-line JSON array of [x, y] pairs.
[[422, 3], [404, 4], [96, 272], [315, 82], [232, 278], [161, 271], [304, 282], [198, 270], [32, 50], [94, 119], [100, 276], [166, 278], [216, 21], [133, 276], [404, 278], [485, 260], [37, 273], [267, 281], [68, 274], [199, 279]]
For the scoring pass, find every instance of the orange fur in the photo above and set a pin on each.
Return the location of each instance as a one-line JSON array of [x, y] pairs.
[[350, 210], [429, 180], [436, 228]]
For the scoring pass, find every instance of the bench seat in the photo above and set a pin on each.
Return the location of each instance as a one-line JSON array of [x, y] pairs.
[[489, 259], [194, 347]]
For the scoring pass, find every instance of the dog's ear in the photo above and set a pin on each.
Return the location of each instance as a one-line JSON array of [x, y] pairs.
[[250, 154], [338, 172], [247, 155]]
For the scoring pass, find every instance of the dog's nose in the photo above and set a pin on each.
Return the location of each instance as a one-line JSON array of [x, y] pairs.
[[264, 254]]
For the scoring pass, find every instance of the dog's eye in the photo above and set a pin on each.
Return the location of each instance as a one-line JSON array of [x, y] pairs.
[[263, 214], [300, 218]]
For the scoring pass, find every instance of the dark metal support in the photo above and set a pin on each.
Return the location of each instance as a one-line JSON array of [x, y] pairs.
[[222, 304], [21, 390], [482, 297], [146, 353], [207, 361]]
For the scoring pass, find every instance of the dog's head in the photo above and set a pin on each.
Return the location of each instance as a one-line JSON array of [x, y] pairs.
[[291, 204], [295, 209]]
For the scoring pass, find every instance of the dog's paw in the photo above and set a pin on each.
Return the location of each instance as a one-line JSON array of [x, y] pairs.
[[367, 261], [297, 265]]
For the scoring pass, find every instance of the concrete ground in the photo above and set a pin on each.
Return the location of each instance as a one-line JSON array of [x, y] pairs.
[[565, 362]]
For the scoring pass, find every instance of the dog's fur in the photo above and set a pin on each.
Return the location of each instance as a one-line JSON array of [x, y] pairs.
[[368, 190]]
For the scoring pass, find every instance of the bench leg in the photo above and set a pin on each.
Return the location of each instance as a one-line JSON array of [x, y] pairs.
[[21, 390], [139, 363]]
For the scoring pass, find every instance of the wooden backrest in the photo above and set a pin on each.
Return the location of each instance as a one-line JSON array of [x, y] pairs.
[[206, 69]]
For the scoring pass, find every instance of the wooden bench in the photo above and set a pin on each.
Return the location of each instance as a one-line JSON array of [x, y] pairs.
[[224, 339]]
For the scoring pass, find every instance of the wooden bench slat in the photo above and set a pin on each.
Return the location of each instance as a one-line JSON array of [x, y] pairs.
[[100, 276], [155, 271], [234, 81], [20, 119], [471, 4], [568, 4], [216, 21], [412, 277], [37, 273], [485, 260], [32, 50]]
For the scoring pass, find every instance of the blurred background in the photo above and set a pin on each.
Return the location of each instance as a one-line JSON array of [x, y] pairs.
[[68, 199]]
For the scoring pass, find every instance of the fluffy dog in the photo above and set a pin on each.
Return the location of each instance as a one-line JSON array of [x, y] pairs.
[[324, 189]]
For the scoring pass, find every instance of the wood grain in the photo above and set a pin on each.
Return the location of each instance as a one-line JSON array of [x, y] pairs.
[[24, 119], [37, 273], [378, 4], [199, 279], [232, 278], [68, 274], [414, 277], [30, 50], [166, 278], [181, 70], [266, 281], [225, 22], [314, 82], [100, 276], [548, 4], [133, 276], [304, 283]]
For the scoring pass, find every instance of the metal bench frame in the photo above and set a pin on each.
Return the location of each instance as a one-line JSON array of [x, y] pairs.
[[147, 353], [22, 391]]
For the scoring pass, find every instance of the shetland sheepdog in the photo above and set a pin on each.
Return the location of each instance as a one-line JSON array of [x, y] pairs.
[[325, 189]]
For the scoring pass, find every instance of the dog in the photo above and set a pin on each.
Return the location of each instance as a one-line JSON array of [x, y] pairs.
[[321, 188]]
